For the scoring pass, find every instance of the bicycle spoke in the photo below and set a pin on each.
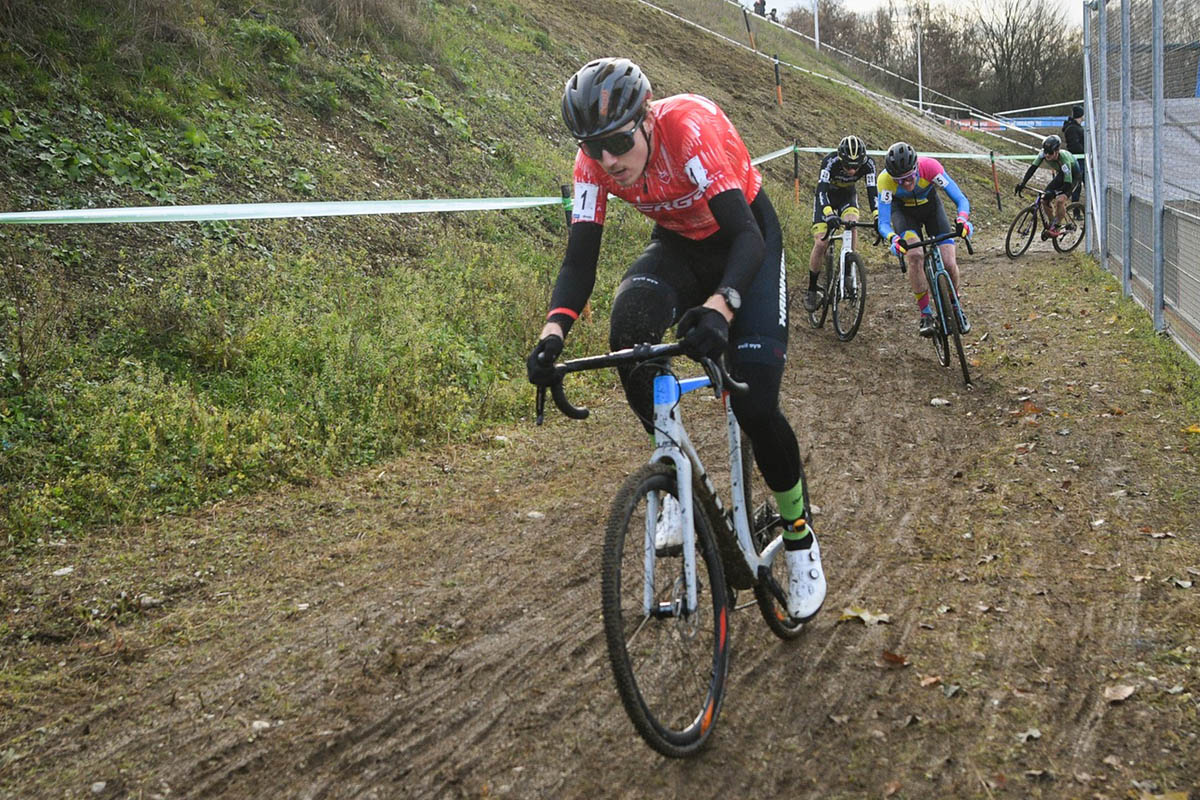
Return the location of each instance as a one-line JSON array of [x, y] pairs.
[[669, 665]]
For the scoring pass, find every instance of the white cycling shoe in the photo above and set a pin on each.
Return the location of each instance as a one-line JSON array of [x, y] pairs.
[[806, 582], [668, 530]]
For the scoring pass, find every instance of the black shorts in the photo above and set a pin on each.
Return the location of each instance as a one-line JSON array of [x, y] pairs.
[[675, 273], [840, 200], [1058, 186], [930, 216]]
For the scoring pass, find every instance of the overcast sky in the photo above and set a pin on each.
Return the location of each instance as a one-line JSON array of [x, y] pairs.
[[1073, 8]]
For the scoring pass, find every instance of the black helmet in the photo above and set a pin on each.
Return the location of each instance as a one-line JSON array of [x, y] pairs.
[[901, 159], [602, 96], [1051, 145], [852, 151], [1077, 112]]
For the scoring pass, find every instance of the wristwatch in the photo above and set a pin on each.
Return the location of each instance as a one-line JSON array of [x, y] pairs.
[[732, 298]]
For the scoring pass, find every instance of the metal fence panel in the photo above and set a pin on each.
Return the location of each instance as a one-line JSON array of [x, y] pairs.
[[1136, 69]]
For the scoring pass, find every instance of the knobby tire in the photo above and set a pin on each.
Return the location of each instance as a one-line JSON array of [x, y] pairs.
[[946, 292], [816, 317], [670, 671], [848, 313], [1070, 239], [1020, 232], [765, 527]]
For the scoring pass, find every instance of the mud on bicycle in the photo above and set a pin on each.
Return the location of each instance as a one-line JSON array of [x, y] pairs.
[[666, 606], [1025, 225], [949, 322], [842, 289]]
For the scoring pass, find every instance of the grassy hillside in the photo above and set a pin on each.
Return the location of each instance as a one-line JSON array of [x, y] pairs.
[[157, 368]]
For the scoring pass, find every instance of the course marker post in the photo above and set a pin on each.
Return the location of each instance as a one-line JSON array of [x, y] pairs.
[[746, 17], [778, 85], [796, 170], [995, 180]]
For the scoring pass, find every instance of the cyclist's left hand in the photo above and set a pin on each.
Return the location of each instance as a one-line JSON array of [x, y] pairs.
[[703, 332], [963, 227]]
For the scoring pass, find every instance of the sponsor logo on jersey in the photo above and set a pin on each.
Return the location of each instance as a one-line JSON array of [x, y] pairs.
[[686, 201]]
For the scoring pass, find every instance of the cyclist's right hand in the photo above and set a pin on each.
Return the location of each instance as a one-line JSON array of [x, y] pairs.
[[540, 364], [1019, 188]]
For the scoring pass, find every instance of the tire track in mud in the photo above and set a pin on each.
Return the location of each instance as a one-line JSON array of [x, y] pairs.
[[469, 659]]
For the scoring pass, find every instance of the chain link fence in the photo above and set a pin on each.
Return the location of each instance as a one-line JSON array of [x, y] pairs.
[[1142, 73]]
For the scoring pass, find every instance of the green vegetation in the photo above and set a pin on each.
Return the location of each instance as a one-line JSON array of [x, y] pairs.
[[152, 369]]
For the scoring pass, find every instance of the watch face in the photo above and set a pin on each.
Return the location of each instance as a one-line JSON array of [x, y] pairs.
[[732, 298]]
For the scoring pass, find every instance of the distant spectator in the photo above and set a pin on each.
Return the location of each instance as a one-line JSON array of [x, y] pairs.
[[760, 7], [1072, 129], [772, 16]]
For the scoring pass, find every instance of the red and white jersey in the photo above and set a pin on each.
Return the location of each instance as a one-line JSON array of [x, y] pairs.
[[697, 155]]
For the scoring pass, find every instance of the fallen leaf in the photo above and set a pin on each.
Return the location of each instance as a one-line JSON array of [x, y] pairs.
[[1112, 761], [1195, 428], [1183, 584], [1161, 535], [931, 680], [952, 689], [840, 719], [866, 617], [1115, 694], [1032, 733], [890, 788], [895, 659]]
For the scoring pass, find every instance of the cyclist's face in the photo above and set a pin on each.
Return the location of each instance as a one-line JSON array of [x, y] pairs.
[[626, 168], [908, 181], [1052, 156]]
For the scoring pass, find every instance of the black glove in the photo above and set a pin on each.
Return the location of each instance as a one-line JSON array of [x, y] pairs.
[[703, 332], [540, 364], [832, 220], [1020, 188]]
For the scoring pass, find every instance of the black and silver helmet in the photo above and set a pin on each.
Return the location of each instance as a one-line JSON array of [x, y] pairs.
[[901, 159], [602, 96], [852, 151], [1051, 145]]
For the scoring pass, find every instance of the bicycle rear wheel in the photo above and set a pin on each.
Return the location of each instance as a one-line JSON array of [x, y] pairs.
[[816, 317], [1020, 232], [670, 666], [850, 301], [771, 589], [950, 307], [1074, 229]]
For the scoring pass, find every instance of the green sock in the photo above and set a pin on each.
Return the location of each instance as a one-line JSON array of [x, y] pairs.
[[791, 508]]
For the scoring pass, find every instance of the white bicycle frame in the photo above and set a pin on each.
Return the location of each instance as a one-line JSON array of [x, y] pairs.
[[847, 237], [673, 445]]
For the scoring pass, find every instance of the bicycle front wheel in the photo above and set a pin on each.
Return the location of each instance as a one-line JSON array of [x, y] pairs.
[[950, 307], [1074, 229], [670, 665], [1020, 233], [850, 301], [940, 345]]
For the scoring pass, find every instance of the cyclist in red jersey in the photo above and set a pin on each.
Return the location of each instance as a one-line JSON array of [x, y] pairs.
[[714, 266]]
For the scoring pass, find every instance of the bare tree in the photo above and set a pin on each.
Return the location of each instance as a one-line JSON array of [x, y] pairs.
[[1028, 46]]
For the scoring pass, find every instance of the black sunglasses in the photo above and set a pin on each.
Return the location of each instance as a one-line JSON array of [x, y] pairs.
[[616, 143]]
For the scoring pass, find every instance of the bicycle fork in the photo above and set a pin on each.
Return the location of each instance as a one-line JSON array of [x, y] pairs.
[[671, 444]]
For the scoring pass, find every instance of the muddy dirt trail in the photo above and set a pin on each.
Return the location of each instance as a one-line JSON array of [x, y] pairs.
[[432, 628]]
